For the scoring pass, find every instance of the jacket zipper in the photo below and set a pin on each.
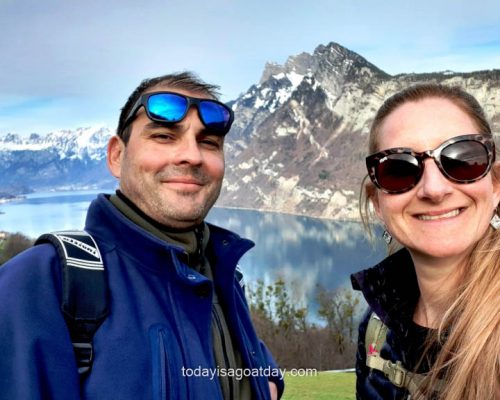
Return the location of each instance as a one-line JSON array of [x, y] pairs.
[[165, 384]]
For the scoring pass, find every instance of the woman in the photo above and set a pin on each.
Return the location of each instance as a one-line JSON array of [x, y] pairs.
[[434, 304]]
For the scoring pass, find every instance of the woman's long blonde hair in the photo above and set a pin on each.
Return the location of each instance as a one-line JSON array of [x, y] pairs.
[[469, 331]]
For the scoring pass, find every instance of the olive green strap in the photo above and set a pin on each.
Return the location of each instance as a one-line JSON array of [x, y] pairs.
[[399, 376], [396, 373], [375, 335]]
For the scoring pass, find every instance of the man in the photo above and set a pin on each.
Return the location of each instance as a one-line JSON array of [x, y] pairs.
[[179, 326]]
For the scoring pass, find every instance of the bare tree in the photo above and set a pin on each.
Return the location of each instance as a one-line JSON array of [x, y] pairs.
[[338, 309], [13, 245], [295, 342]]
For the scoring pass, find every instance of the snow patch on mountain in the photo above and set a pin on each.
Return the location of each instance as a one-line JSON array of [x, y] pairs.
[[82, 143]]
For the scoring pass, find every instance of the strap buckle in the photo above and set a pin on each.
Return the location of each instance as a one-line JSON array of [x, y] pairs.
[[84, 355], [396, 373]]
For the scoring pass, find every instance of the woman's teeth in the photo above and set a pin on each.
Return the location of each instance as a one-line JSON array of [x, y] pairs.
[[450, 214]]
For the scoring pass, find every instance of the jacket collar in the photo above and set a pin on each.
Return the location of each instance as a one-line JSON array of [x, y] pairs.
[[391, 290], [114, 230]]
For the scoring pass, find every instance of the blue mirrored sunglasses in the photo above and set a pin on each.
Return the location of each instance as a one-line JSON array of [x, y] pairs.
[[171, 107]]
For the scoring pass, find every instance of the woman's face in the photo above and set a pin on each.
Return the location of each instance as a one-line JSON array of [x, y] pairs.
[[437, 218]]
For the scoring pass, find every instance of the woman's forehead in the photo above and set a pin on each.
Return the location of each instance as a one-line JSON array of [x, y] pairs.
[[424, 124]]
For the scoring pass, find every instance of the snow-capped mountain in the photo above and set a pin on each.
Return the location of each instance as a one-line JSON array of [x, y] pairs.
[[300, 136], [297, 145], [79, 144], [70, 159]]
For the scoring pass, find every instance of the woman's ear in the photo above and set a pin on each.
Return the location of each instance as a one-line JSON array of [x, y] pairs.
[[372, 195], [495, 179], [116, 149]]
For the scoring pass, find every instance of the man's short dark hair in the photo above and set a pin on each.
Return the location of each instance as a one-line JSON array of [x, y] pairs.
[[182, 80]]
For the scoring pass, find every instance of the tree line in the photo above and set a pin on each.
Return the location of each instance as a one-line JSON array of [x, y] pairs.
[[296, 342], [13, 244]]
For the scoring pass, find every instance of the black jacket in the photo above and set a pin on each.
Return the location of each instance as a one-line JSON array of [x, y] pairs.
[[391, 291]]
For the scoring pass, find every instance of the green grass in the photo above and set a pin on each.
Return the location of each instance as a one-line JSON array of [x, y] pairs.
[[324, 386]]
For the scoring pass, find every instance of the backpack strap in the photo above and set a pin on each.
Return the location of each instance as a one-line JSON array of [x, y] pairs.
[[239, 276], [399, 376], [84, 290], [376, 333]]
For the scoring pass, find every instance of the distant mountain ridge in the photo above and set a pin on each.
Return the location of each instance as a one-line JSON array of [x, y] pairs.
[[297, 145], [63, 159], [80, 143]]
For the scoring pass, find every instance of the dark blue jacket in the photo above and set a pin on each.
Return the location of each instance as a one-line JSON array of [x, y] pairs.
[[391, 291], [159, 321]]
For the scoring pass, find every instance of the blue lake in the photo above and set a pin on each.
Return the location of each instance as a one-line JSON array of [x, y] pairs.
[[303, 251]]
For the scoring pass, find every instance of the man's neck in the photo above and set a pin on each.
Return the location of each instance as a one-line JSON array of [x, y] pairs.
[[192, 240]]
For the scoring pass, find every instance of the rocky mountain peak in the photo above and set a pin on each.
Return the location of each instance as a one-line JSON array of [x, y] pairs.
[[10, 138], [331, 65], [301, 64], [337, 66], [270, 69], [339, 55], [299, 139]]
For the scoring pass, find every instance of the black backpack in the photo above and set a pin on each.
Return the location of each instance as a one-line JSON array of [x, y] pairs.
[[84, 290]]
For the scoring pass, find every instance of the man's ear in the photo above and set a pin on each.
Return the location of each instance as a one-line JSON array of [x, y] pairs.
[[116, 149]]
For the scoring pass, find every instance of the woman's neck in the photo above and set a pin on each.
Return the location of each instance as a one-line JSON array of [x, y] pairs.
[[438, 279]]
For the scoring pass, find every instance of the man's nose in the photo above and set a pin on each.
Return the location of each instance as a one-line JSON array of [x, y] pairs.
[[188, 148], [433, 185]]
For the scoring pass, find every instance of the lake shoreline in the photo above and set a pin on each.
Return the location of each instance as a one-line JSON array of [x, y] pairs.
[[297, 214], [264, 210]]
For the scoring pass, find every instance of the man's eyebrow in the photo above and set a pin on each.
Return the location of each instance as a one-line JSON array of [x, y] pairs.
[[158, 125]]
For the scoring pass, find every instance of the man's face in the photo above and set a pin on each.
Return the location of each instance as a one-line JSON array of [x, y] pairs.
[[173, 174]]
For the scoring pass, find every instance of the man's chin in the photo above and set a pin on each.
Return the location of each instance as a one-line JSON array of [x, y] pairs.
[[185, 189], [178, 195], [182, 217]]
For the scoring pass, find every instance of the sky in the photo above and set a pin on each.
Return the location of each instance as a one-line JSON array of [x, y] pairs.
[[66, 64]]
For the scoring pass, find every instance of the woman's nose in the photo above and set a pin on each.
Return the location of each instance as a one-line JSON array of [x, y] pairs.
[[433, 185]]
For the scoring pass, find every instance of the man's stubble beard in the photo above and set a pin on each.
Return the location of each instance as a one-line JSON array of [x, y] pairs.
[[148, 197], [195, 214]]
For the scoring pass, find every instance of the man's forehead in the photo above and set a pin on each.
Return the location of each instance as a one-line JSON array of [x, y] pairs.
[[201, 94]]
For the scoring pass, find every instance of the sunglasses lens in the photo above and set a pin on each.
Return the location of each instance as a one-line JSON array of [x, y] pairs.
[[398, 172], [465, 161], [167, 107], [215, 116]]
